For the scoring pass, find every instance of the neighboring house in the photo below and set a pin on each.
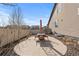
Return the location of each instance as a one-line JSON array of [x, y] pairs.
[[64, 19], [34, 29], [15, 26], [25, 27]]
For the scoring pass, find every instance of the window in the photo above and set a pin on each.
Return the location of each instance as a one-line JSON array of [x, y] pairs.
[[56, 23], [59, 9], [78, 11]]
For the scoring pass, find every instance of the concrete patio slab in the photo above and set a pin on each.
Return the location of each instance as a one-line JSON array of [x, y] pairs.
[[50, 47]]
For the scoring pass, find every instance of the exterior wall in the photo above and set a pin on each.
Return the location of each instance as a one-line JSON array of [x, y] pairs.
[[66, 18]]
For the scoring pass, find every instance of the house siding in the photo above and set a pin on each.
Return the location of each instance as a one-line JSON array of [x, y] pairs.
[[67, 20]]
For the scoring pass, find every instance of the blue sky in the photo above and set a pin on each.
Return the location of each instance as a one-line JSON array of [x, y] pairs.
[[32, 13]]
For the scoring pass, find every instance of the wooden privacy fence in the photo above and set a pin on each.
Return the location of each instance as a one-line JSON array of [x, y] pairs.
[[11, 35]]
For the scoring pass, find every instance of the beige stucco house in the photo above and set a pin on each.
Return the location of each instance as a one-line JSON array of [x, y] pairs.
[[64, 19]]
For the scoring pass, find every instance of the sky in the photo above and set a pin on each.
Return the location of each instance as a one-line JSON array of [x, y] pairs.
[[32, 13]]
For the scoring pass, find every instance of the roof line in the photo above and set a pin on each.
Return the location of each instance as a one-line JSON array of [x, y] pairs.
[[52, 14]]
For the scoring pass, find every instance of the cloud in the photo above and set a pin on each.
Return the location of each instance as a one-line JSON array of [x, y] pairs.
[[31, 22], [3, 18], [36, 21]]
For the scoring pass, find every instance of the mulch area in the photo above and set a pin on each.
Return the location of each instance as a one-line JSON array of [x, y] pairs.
[[72, 44], [7, 50]]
